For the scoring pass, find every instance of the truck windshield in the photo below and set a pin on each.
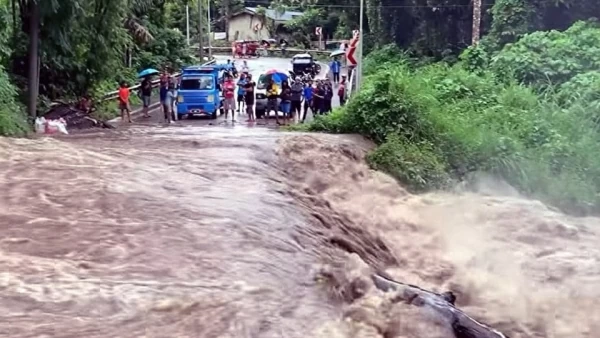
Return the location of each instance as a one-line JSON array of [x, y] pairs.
[[197, 82], [262, 82], [300, 61]]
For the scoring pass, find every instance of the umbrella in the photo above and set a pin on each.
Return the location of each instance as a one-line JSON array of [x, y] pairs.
[[148, 72], [337, 53], [277, 76]]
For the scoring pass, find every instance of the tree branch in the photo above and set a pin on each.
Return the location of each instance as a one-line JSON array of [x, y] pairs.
[[462, 325]]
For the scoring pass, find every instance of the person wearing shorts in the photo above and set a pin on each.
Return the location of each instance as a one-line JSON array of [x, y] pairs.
[[146, 94], [229, 97], [272, 96], [249, 98], [124, 102], [170, 100], [240, 93]]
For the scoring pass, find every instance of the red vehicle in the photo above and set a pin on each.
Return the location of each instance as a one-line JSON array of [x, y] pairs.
[[245, 49]]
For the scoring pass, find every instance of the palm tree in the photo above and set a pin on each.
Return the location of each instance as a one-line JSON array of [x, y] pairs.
[[132, 22]]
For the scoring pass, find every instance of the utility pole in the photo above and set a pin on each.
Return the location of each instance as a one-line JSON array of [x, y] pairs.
[[34, 58], [209, 32], [187, 24], [476, 22], [200, 35], [359, 68]]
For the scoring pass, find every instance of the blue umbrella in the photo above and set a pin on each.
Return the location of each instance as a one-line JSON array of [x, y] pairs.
[[277, 76], [148, 72]]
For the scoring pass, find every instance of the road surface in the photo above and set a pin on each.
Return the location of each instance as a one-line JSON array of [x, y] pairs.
[[257, 67]]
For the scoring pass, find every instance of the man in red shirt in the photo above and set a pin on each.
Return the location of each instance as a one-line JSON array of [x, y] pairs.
[[229, 95]]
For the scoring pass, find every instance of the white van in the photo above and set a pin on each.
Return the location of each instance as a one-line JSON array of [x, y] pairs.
[[261, 95]]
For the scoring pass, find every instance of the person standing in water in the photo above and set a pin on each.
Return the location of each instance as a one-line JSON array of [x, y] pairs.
[[169, 104], [335, 67], [342, 93], [296, 97], [272, 95], [240, 93], [146, 95], [328, 95], [124, 102], [229, 95], [308, 100], [249, 97], [286, 102]]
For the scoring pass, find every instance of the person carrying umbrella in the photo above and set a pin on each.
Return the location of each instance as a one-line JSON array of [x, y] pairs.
[[145, 92]]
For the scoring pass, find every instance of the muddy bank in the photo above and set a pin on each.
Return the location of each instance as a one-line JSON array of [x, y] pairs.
[[514, 264]]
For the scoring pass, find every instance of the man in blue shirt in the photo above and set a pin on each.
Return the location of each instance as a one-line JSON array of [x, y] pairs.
[[335, 67], [308, 95]]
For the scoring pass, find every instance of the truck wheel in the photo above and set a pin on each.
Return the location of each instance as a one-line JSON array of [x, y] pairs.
[[189, 116], [260, 113]]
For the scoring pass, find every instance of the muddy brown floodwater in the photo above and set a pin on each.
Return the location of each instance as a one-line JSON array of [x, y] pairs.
[[213, 232]]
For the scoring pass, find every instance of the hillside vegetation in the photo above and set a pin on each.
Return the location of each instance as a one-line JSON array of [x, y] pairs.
[[527, 113]]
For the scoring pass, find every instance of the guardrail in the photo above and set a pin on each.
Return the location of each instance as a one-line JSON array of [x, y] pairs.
[[155, 83], [272, 51]]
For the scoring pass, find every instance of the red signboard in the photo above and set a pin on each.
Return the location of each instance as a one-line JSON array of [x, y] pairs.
[[350, 52]]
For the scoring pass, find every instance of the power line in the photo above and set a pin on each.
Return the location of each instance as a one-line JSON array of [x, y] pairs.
[[266, 2]]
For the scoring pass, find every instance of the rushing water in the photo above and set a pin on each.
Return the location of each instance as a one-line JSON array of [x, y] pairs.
[[214, 232]]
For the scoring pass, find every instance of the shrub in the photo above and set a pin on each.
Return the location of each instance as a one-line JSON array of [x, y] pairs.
[[387, 56], [12, 118], [545, 58]]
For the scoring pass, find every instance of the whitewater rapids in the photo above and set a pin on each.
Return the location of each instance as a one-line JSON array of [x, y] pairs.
[[213, 232]]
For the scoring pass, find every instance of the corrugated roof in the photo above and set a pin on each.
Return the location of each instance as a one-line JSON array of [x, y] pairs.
[[274, 15]]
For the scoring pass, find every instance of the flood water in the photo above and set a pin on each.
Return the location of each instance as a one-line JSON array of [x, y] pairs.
[[225, 232]]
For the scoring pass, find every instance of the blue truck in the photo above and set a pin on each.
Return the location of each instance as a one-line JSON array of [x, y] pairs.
[[199, 90]]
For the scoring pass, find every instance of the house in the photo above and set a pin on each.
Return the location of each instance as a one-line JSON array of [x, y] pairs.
[[247, 25]]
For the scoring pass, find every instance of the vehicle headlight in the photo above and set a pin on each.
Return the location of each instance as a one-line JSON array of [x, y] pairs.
[[210, 98], [180, 99]]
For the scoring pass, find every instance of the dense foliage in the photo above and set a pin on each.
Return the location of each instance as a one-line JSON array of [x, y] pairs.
[[530, 118], [87, 46]]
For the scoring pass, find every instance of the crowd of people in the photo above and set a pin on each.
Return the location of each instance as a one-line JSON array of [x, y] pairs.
[[293, 98]]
